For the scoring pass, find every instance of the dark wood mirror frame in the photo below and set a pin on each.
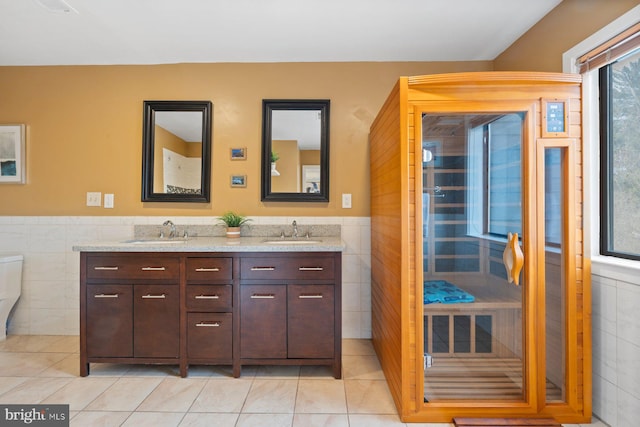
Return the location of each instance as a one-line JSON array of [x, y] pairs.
[[268, 107], [148, 147]]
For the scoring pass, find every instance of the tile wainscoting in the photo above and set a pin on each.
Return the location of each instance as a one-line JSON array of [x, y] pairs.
[[616, 343], [49, 304]]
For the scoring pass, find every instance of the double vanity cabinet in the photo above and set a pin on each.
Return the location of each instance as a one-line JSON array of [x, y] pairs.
[[210, 308]]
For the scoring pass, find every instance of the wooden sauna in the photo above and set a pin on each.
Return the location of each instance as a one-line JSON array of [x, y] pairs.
[[461, 165]]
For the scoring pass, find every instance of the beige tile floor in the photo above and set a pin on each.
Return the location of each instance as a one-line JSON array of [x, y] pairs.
[[45, 369]]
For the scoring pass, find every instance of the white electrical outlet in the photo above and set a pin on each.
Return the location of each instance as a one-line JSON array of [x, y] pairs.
[[94, 198], [346, 201], [108, 201]]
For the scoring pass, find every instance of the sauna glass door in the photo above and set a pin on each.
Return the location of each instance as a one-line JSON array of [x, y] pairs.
[[472, 200]]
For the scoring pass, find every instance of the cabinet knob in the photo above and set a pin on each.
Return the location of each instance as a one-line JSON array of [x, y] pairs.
[[263, 268], [310, 268], [206, 269], [310, 296], [104, 267], [153, 269]]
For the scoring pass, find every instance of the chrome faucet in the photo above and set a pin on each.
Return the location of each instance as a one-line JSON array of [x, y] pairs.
[[172, 230], [295, 229]]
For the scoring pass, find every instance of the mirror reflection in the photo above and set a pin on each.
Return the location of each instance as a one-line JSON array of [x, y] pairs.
[[177, 146], [295, 150]]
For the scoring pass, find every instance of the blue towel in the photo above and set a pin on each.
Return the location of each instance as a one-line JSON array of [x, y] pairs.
[[444, 292]]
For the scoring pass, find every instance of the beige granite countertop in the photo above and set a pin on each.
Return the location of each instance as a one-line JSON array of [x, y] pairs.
[[214, 244]]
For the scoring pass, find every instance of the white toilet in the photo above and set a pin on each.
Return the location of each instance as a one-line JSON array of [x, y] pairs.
[[10, 287]]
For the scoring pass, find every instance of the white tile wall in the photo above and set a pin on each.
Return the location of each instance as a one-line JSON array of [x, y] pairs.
[[616, 345], [49, 303]]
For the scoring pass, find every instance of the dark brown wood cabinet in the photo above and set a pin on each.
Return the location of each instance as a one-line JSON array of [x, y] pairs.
[[109, 321], [263, 321], [211, 308], [310, 321], [156, 321], [209, 304], [290, 310], [130, 309]]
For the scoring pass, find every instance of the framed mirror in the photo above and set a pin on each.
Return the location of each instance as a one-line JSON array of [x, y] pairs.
[[176, 157], [295, 150]]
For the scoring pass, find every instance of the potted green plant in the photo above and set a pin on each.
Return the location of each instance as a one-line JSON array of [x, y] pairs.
[[274, 159], [233, 221]]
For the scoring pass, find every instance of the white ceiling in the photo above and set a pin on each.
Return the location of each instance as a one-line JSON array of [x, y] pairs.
[[174, 31]]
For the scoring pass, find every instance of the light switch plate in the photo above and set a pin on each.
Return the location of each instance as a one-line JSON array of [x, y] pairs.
[[94, 198], [108, 201], [346, 201]]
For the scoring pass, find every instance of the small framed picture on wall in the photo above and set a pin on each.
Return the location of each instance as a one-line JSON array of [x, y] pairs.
[[12, 154], [239, 153], [238, 180]]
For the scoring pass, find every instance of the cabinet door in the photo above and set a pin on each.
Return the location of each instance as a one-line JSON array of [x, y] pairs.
[[209, 336], [310, 321], [109, 321], [263, 321], [156, 321]]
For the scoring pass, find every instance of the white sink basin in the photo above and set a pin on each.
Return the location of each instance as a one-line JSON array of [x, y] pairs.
[[155, 242], [292, 242]]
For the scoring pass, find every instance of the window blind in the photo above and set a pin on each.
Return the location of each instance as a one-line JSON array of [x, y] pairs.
[[611, 50]]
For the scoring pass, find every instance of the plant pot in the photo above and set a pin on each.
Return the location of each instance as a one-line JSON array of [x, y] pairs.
[[233, 232]]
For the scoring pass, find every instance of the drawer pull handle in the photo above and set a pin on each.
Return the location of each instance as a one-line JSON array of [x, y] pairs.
[[207, 297], [263, 296], [204, 269], [209, 325], [310, 268], [149, 296], [105, 296], [105, 268], [153, 269], [263, 268], [310, 296]]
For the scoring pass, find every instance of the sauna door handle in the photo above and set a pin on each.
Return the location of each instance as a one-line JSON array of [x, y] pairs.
[[513, 259]]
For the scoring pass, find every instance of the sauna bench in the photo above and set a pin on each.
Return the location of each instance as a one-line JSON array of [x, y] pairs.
[[491, 319]]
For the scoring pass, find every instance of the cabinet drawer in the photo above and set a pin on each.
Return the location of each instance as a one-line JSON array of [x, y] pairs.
[[209, 336], [132, 267], [209, 297], [297, 267], [201, 270]]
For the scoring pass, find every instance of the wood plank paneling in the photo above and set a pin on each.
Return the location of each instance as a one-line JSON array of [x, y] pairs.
[[386, 251]]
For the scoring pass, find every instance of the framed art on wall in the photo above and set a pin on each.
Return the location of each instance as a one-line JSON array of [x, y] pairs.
[[238, 180], [239, 153], [12, 154]]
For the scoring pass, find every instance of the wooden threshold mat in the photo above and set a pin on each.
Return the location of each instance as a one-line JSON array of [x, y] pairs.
[[505, 422]]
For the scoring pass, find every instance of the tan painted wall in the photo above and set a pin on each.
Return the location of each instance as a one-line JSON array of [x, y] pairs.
[[84, 130], [165, 139], [288, 166], [541, 48]]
